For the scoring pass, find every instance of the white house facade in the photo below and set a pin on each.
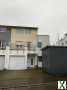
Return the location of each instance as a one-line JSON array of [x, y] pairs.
[[16, 59], [20, 47], [42, 41], [62, 41]]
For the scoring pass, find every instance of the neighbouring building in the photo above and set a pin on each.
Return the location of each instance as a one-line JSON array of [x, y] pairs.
[[55, 59], [17, 47], [42, 41], [62, 41], [20, 47]]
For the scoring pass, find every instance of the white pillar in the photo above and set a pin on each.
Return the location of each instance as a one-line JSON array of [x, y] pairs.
[[7, 58], [26, 52], [35, 60]]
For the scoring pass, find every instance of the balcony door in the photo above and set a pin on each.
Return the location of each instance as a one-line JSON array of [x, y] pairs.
[[2, 44]]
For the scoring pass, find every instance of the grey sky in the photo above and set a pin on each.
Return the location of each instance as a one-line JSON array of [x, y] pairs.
[[49, 15]]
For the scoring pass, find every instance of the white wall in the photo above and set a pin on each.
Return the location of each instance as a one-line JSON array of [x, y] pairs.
[[62, 41], [45, 41], [2, 62], [8, 53]]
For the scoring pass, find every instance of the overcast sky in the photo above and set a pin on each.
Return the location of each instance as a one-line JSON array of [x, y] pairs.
[[50, 16]]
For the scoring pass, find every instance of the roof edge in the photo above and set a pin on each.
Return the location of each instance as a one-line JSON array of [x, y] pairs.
[[54, 47], [15, 26], [42, 35]]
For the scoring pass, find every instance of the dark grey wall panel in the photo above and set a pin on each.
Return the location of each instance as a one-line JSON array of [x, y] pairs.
[[5, 35], [56, 59]]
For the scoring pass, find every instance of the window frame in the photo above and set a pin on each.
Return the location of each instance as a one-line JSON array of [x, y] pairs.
[[39, 44]]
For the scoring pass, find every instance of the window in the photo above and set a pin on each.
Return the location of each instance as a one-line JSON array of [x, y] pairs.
[[31, 61], [66, 42], [40, 58], [62, 44], [24, 31], [39, 44], [20, 44], [66, 34], [2, 44], [3, 29], [27, 31], [20, 30], [29, 45]]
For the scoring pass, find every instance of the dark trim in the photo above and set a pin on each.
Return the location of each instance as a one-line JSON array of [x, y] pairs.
[[54, 47], [42, 35], [24, 27]]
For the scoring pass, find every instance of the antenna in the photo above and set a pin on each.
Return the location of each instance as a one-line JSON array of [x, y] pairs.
[[57, 42], [58, 35]]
